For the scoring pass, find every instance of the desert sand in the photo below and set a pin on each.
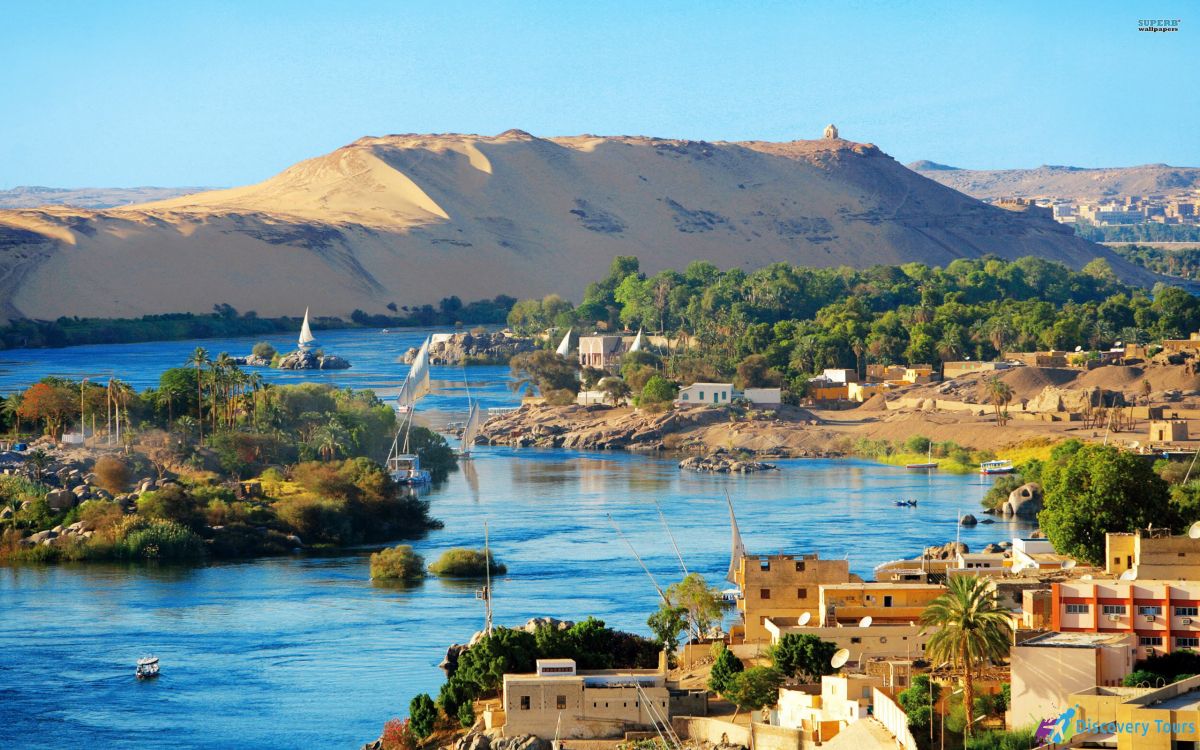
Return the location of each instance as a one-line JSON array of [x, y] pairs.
[[1070, 183], [413, 218]]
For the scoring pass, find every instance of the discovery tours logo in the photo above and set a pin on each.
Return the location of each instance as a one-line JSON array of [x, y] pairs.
[[1158, 24], [1057, 728], [1064, 726]]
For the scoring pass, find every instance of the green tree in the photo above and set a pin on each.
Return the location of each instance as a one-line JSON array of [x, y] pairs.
[[969, 628], [658, 390], [999, 394], [918, 700], [755, 688], [668, 624], [803, 655], [398, 563], [505, 651], [545, 369], [1100, 489], [615, 390], [466, 715], [422, 715], [200, 359], [702, 603], [725, 667]]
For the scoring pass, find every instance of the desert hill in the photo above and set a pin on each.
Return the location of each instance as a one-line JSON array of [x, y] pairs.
[[413, 218], [1070, 183], [32, 196]]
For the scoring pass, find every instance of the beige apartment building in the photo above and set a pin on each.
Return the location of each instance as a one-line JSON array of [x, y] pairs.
[[1152, 555], [1047, 668], [784, 586], [559, 700]]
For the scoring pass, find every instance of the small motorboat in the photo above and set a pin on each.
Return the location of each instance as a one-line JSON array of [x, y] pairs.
[[1003, 466], [147, 668], [906, 503]]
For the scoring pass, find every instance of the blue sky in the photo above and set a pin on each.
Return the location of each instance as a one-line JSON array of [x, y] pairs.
[[223, 93]]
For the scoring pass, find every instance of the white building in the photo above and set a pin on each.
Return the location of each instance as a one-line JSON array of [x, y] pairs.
[[705, 393], [763, 396]]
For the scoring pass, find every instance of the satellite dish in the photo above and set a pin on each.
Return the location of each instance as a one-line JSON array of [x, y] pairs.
[[1129, 575], [804, 618], [840, 658], [865, 622], [1069, 565], [1117, 344], [1194, 531], [1086, 576], [1079, 348]]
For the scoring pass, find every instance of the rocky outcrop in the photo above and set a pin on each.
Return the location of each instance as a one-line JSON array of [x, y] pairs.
[[945, 551], [304, 359], [1024, 502], [968, 520], [475, 348], [480, 741], [722, 463]]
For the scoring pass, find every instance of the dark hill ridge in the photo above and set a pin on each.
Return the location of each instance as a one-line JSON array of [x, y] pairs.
[[414, 218]]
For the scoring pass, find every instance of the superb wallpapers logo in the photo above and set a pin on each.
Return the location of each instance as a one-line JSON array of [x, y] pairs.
[[1158, 24]]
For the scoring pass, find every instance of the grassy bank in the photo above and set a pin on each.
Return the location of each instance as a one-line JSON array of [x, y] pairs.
[[949, 456]]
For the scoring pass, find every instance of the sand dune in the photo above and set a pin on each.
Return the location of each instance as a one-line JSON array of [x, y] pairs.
[[413, 218], [1071, 183]]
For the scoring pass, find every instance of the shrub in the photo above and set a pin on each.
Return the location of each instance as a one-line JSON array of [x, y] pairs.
[[399, 563], [803, 654], [917, 444], [559, 397], [422, 715], [754, 688], [263, 350], [164, 540], [100, 515], [466, 715], [466, 563], [171, 503], [725, 667], [398, 735], [112, 474], [658, 390]]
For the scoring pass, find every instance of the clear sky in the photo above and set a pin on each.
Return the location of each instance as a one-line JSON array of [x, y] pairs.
[[123, 93]]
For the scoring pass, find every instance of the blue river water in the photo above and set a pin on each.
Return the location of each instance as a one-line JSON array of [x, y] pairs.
[[307, 652]]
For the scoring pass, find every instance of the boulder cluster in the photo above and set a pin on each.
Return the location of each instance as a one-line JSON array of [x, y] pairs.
[[720, 462], [483, 347], [303, 359]]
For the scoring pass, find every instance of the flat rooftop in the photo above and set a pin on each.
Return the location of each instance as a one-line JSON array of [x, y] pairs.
[[1189, 701], [1074, 640]]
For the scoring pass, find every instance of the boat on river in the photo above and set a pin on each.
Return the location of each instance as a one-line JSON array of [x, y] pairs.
[[306, 340], [147, 668], [906, 503], [928, 464], [1002, 466]]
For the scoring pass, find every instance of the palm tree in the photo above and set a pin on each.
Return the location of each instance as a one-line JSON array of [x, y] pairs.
[[969, 628], [200, 360], [12, 409], [999, 393], [40, 460]]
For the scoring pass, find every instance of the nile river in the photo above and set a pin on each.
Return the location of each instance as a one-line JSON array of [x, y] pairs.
[[307, 652]]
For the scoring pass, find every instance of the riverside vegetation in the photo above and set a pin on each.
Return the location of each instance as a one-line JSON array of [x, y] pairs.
[[230, 466], [782, 324]]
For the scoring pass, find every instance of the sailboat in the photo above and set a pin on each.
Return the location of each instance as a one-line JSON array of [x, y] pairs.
[[737, 552], [306, 337], [928, 464], [638, 342], [471, 430], [404, 467], [564, 346]]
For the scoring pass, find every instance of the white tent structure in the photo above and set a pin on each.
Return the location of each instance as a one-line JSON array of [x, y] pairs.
[[564, 347]]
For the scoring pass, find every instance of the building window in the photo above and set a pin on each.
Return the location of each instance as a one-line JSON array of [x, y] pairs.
[[1150, 640], [1186, 611], [887, 601], [1151, 610], [855, 639], [561, 702], [764, 594], [685, 396], [1187, 642], [524, 702], [701, 395], [1077, 609], [764, 564], [1114, 609], [799, 566], [801, 593]]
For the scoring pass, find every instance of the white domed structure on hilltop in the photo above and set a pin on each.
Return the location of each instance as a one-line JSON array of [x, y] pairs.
[[831, 132]]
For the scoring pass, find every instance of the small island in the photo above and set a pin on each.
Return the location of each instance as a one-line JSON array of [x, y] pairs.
[[397, 564], [461, 562]]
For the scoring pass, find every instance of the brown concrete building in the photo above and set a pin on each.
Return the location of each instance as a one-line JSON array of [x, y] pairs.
[[784, 586], [1152, 556], [1168, 431]]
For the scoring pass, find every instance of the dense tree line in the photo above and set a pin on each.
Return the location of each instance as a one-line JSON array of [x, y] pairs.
[[225, 321], [1184, 263], [800, 320], [1148, 232]]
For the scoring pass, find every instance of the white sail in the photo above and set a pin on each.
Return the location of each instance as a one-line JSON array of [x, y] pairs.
[[471, 428], [739, 549], [638, 342], [416, 385], [564, 348], [306, 336]]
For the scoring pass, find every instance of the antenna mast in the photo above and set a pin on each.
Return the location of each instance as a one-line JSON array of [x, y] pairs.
[[671, 536], [486, 592]]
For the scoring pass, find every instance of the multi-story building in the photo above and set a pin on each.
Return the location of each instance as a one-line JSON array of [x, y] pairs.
[[885, 602], [601, 352], [560, 701], [783, 586], [1048, 667], [1155, 718], [1162, 615], [1152, 555]]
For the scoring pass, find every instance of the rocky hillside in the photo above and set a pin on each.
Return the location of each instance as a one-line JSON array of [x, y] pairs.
[[1070, 183], [413, 218]]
